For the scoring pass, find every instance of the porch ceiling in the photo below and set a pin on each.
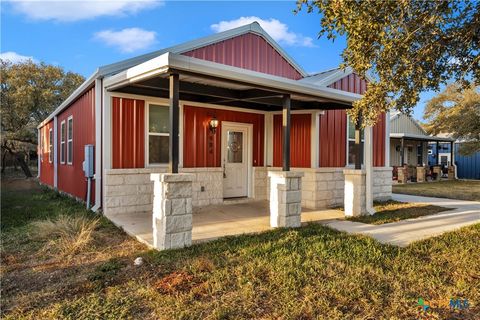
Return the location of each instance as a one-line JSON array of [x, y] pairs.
[[213, 90]]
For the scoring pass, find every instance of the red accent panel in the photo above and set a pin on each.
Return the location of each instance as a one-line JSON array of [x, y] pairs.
[[128, 133], [71, 178], [300, 140], [202, 149], [46, 168], [247, 51], [379, 142], [333, 135], [351, 83]]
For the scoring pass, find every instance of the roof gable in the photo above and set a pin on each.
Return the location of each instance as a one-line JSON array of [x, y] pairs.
[[401, 123], [192, 46]]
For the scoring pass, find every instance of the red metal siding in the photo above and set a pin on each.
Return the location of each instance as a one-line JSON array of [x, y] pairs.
[[202, 149], [353, 83], [333, 135], [71, 178], [379, 142], [300, 140], [128, 133], [248, 51], [46, 168]]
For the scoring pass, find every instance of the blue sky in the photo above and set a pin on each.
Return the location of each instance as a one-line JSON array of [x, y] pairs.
[[82, 35]]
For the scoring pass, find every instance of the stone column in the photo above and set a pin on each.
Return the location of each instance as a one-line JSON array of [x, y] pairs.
[[172, 210], [420, 174], [451, 173], [354, 202], [402, 174], [438, 171], [285, 198]]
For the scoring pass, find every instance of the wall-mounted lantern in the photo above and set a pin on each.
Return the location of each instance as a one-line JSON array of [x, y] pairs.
[[213, 124]]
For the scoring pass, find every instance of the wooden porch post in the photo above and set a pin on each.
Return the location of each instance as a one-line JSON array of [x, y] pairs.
[[358, 143], [174, 123], [286, 132], [451, 153]]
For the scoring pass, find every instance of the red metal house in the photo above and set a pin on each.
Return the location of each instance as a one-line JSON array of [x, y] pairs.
[[233, 88]]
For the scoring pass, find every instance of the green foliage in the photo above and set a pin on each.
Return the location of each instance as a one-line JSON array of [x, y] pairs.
[[29, 92], [410, 46], [456, 111]]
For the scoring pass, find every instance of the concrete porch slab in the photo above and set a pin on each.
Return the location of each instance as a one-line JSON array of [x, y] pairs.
[[216, 221]]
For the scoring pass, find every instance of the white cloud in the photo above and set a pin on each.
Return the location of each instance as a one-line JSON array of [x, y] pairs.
[[74, 10], [15, 57], [276, 29], [127, 40]]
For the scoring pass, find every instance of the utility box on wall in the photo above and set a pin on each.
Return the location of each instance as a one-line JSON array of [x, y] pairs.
[[88, 166]]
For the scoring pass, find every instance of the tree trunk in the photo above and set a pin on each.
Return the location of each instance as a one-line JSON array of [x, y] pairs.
[[20, 159]]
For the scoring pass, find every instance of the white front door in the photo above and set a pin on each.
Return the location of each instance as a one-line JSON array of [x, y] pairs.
[[235, 160]]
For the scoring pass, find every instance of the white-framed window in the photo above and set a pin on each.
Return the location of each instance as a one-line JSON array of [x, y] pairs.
[[50, 145], [62, 142], [351, 143], [158, 134], [70, 140]]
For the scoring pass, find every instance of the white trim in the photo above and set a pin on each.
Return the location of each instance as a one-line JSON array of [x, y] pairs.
[[313, 140], [55, 152], [163, 63], [334, 77], [419, 137], [98, 145], [368, 160], [68, 140], [39, 152], [180, 136], [249, 128], [387, 139], [269, 140], [50, 146]]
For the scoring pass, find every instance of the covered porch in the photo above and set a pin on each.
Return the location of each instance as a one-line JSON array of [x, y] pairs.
[[409, 155], [174, 221]]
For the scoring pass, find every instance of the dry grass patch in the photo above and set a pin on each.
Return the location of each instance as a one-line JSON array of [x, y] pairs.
[[64, 235]]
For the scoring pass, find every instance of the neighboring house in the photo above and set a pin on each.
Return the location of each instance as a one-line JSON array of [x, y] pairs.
[[409, 143], [230, 89], [468, 166]]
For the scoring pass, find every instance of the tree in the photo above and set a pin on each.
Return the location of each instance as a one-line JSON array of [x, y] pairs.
[[29, 92], [456, 111], [410, 46]]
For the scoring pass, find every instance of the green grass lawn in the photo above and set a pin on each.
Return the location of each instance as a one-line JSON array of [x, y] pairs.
[[305, 273], [392, 211], [453, 189]]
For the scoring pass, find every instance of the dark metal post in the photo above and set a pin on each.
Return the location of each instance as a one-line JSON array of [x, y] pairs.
[[286, 131], [402, 152], [451, 153], [174, 123], [438, 160], [358, 144]]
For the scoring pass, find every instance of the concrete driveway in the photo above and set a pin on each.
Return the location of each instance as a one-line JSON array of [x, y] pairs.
[[404, 232]]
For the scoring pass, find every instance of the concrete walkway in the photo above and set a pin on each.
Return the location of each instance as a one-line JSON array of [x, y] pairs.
[[404, 232]]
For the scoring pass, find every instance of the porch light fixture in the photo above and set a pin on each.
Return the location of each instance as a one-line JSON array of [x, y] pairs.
[[213, 124]]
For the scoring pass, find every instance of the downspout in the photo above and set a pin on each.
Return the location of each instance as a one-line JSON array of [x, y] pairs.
[[39, 153], [55, 153], [387, 139]]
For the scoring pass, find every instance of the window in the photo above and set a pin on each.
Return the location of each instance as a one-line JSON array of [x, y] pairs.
[[62, 142], [70, 140], [50, 146], [351, 143], [158, 134]]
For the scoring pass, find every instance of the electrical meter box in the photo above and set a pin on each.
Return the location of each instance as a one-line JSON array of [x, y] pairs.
[[88, 162]]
